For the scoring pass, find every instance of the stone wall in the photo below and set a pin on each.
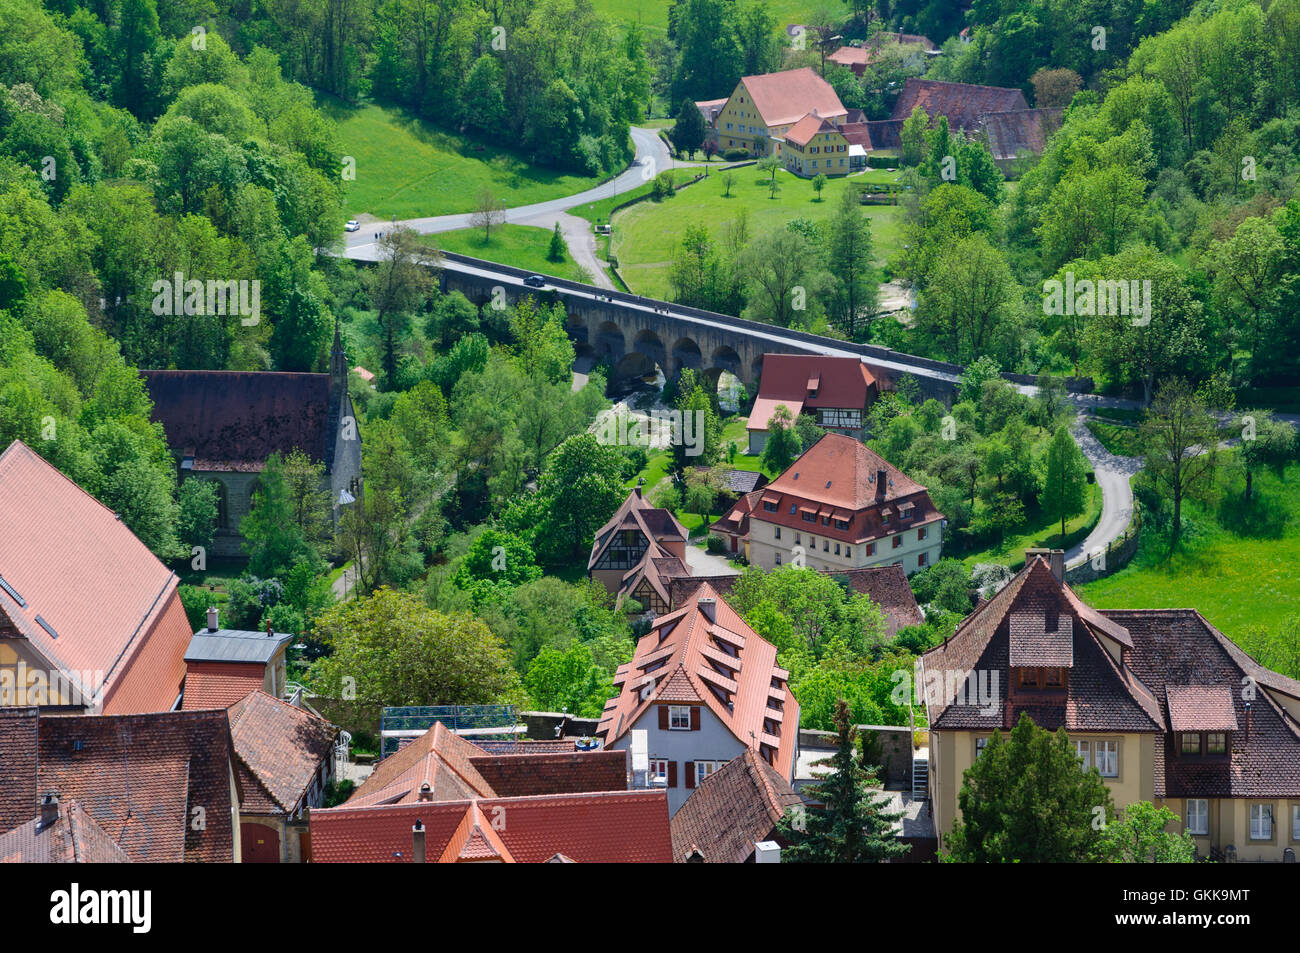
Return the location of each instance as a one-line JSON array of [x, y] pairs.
[[895, 749]]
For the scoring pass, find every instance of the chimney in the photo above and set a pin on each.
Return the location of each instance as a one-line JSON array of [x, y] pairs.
[[417, 842], [709, 606], [269, 633], [639, 483], [212, 619], [1247, 704], [881, 482], [426, 792], [1056, 559], [49, 809], [767, 852]]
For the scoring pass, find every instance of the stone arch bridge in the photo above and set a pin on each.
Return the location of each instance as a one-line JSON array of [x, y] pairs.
[[635, 334]]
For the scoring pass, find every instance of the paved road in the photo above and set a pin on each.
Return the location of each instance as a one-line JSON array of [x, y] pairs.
[[1113, 473], [652, 157]]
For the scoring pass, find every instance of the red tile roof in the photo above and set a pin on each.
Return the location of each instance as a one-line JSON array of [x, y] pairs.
[[801, 133], [730, 810], [837, 476], [571, 772], [842, 382], [18, 734], [687, 674], [220, 684], [145, 779], [1020, 130], [73, 838], [887, 587], [787, 96], [439, 758], [962, 103], [87, 577], [280, 745], [234, 420], [1200, 708], [602, 827]]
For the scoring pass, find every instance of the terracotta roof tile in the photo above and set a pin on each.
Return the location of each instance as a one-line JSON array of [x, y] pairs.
[[142, 777], [785, 97], [1200, 708], [439, 757], [962, 103], [602, 827], [113, 605], [732, 808], [842, 382], [220, 684], [283, 746], [73, 838], [18, 734]]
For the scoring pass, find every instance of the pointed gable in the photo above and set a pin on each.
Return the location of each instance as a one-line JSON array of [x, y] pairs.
[[784, 97]]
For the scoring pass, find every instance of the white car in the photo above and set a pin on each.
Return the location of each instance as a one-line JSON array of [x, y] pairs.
[[352, 226]]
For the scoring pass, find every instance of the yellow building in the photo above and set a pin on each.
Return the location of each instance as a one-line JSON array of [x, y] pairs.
[[815, 146], [762, 109], [1163, 705]]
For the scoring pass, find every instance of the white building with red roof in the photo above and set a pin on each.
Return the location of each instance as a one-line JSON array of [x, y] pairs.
[[762, 109], [704, 687], [840, 506], [835, 391]]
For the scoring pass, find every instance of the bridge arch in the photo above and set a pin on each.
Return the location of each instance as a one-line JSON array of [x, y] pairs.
[[610, 342], [651, 346], [686, 353], [725, 358]]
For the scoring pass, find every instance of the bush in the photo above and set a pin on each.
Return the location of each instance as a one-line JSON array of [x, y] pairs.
[[196, 602], [716, 545], [735, 155], [663, 186], [250, 598], [883, 162]]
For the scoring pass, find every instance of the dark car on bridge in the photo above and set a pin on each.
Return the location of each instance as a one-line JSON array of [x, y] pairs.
[[535, 281]]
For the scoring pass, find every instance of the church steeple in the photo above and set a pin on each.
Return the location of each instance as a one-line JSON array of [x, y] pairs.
[[338, 361]]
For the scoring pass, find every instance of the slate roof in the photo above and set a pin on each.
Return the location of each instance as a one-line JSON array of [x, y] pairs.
[[282, 747], [730, 810], [73, 838], [234, 420], [693, 658], [141, 777], [789, 95], [962, 103], [600, 827], [84, 592], [235, 645]]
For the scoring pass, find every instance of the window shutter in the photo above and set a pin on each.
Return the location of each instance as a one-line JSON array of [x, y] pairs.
[[672, 774], [695, 718], [663, 717], [690, 774]]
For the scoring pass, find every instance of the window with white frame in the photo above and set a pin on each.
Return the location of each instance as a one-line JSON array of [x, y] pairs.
[[704, 768], [658, 770], [1261, 822], [1107, 758], [1082, 752], [1295, 821], [1198, 816], [679, 717]]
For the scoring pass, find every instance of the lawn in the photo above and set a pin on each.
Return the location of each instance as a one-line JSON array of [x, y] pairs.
[[1125, 441], [647, 235], [408, 168], [521, 246], [1238, 569], [652, 15], [1043, 533]]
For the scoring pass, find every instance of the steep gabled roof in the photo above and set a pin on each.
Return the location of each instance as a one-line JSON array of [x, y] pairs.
[[1026, 623], [786, 379], [787, 96], [636, 513], [281, 745], [234, 420], [144, 777], [73, 838], [962, 103], [84, 592], [842, 472], [693, 658], [730, 810], [802, 132], [439, 758], [604, 827]]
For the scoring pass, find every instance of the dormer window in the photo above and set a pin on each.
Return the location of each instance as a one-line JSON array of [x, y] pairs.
[[1216, 742]]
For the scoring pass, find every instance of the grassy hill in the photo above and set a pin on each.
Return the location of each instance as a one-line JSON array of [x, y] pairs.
[[653, 14], [1238, 566], [410, 169], [647, 235], [521, 246]]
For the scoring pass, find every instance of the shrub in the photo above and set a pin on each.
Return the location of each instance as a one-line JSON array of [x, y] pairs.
[[735, 155], [716, 545]]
